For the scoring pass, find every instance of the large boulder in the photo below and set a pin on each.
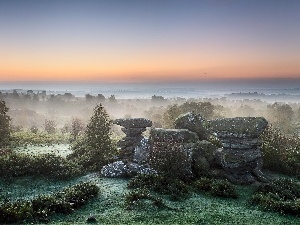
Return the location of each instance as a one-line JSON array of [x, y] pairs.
[[192, 122], [241, 156], [238, 127]]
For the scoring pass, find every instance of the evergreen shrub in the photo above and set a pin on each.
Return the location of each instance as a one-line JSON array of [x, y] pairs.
[[281, 195], [219, 188], [40, 208]]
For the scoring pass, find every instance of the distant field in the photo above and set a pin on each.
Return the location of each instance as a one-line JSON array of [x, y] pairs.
[[57, 149]]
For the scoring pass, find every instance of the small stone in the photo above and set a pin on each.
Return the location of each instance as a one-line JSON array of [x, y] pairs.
[[91, 219]]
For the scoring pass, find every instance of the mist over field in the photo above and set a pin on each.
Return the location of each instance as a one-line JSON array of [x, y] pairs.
[[31, 103], [185, 89], [48, 152]]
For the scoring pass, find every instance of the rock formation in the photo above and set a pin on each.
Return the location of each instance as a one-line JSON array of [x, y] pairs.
[[237, 157], [134, 147], [241, 156]]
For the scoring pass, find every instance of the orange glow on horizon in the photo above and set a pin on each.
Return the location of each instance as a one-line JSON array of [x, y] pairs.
[[148, 68]]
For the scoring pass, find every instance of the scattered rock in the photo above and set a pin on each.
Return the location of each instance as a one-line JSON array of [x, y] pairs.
[[91, 219], [120, 169]]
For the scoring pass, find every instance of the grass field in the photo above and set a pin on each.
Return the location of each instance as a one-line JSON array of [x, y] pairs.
[[109, 207]]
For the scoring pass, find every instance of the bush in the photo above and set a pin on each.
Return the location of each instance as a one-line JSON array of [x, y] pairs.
[[77, 128], [281, 153], [219, 188], [50, 126], [203, 184], [40, 208], [96, 148], [160, 184], [135, 198], [47, 165], [4, 125], [171, 159], [222, 188], [205, 109], [281, 195]]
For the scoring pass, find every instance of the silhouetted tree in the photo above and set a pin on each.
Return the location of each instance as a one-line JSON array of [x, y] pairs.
[[205, 109], [77, 127], [89, 97], [50, 126], [34, 129], [280, 115], [112, 99], [101, 98], [4, 124], [156, 98]]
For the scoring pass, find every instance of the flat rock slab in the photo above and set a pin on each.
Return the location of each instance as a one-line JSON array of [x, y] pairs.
[[238, 127], [133, 122]]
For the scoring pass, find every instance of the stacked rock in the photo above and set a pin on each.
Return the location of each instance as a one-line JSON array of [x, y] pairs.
[[133, 128], [241, 156], [134, 150]]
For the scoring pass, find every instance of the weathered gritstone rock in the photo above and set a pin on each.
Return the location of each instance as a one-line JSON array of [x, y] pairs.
[[134, 122], [134, 150], [241, 156], [134, 147], [238, 127], [239, 159], [192, 122]]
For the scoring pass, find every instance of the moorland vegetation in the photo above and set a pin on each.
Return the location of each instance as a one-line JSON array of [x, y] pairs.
[[94, 145]]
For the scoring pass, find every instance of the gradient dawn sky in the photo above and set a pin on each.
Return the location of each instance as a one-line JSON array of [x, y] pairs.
[[148, 40]]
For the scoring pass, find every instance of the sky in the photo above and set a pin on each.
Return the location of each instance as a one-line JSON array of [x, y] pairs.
[[149, 40]]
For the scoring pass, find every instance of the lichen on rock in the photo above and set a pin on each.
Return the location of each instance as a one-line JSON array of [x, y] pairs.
[[192, 122]]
